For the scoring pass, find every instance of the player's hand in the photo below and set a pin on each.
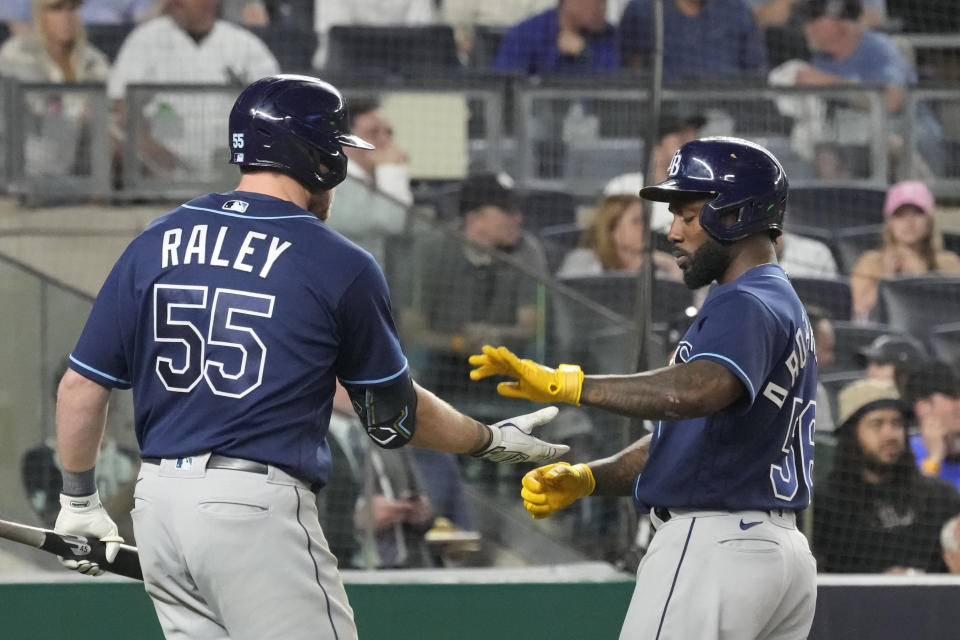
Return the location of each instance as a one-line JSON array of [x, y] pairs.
[[85, 516], [532, 381], [511, 440], [555, 486]]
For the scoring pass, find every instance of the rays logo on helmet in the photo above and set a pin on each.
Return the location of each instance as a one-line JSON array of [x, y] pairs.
[[674, 167]]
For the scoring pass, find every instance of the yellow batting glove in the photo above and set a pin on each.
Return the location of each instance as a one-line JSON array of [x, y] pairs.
[[532, 381], [555, 486]]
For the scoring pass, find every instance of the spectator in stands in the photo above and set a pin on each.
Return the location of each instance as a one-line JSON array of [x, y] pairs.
[[372, 204], [614, 241], [846, 52], [934, 392], [470, 296], [465, 15], [805, 257], [950, 544], [330, 13], [337, 502], [56, 50], [189, 45], [825, 342], [892, 358], [17, 13], [673, 133], [385, 167], [708, 40], [572, 38], [911, 246], [399, 511], [876, 512], [830, 162]]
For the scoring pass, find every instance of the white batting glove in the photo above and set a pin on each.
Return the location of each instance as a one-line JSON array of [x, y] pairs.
[[85, 516], [512, 441]]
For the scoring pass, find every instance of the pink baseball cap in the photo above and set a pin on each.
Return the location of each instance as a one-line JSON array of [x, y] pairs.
[[908, 192]]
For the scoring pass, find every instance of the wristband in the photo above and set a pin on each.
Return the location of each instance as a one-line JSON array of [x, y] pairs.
[[930, 467], [81, 483]]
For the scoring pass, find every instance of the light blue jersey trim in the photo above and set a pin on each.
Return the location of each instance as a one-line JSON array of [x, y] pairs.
[[378, 381], [773, 275], [240, 215], [746, 378], [97, 371]]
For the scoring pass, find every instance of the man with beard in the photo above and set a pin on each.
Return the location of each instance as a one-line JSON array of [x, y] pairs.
[[876, 512], [728, 464]]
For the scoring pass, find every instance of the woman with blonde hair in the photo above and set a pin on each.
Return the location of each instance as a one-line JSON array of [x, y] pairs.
[[911, 246], [614, 241], [56, 50]]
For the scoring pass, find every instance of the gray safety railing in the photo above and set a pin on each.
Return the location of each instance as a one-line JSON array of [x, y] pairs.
[[944, 105], [57, 141], [175, 140], [576, 137]]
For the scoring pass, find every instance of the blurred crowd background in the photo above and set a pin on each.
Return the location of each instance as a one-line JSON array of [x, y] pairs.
[[512, 138]]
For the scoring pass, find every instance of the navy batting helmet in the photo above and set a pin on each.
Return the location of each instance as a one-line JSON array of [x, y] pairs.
[[738, 176], [295, 125]]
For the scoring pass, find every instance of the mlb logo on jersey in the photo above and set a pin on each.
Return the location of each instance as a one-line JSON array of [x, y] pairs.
[[236, 205]]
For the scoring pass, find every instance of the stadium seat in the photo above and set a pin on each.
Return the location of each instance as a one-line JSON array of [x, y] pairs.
[[945, 342], [919, 303], [835, 207], [4, 31], [396, 50], [951, 241], [831, 295], [851, 337], [600, 343], [557, 240], [108, 37], [293, 47], [545, 208], [852, 243]]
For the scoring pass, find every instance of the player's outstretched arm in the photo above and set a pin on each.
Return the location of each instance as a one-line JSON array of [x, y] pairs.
[[686, 390], [443, 428], [556, 486]]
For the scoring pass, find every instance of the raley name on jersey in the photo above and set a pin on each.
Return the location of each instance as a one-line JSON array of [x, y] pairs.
[[201, 247]]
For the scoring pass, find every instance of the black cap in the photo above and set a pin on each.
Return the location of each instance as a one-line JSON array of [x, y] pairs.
[[893, 349], [936, 376], [488, 189], [843, 9]]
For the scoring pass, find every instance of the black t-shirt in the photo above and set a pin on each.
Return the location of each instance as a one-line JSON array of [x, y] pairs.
[[870, 528]]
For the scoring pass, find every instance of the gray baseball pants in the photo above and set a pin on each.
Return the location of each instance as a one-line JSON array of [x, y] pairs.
[[718, 575], [237, 555]]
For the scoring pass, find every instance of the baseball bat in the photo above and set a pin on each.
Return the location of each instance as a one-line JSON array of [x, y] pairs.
[[74, 547]]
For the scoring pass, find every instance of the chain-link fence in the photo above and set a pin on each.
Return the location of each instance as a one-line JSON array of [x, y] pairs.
[[574, 121]]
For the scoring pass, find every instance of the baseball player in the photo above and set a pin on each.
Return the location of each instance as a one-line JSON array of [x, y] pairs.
[[728, 465], [231, 318]]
